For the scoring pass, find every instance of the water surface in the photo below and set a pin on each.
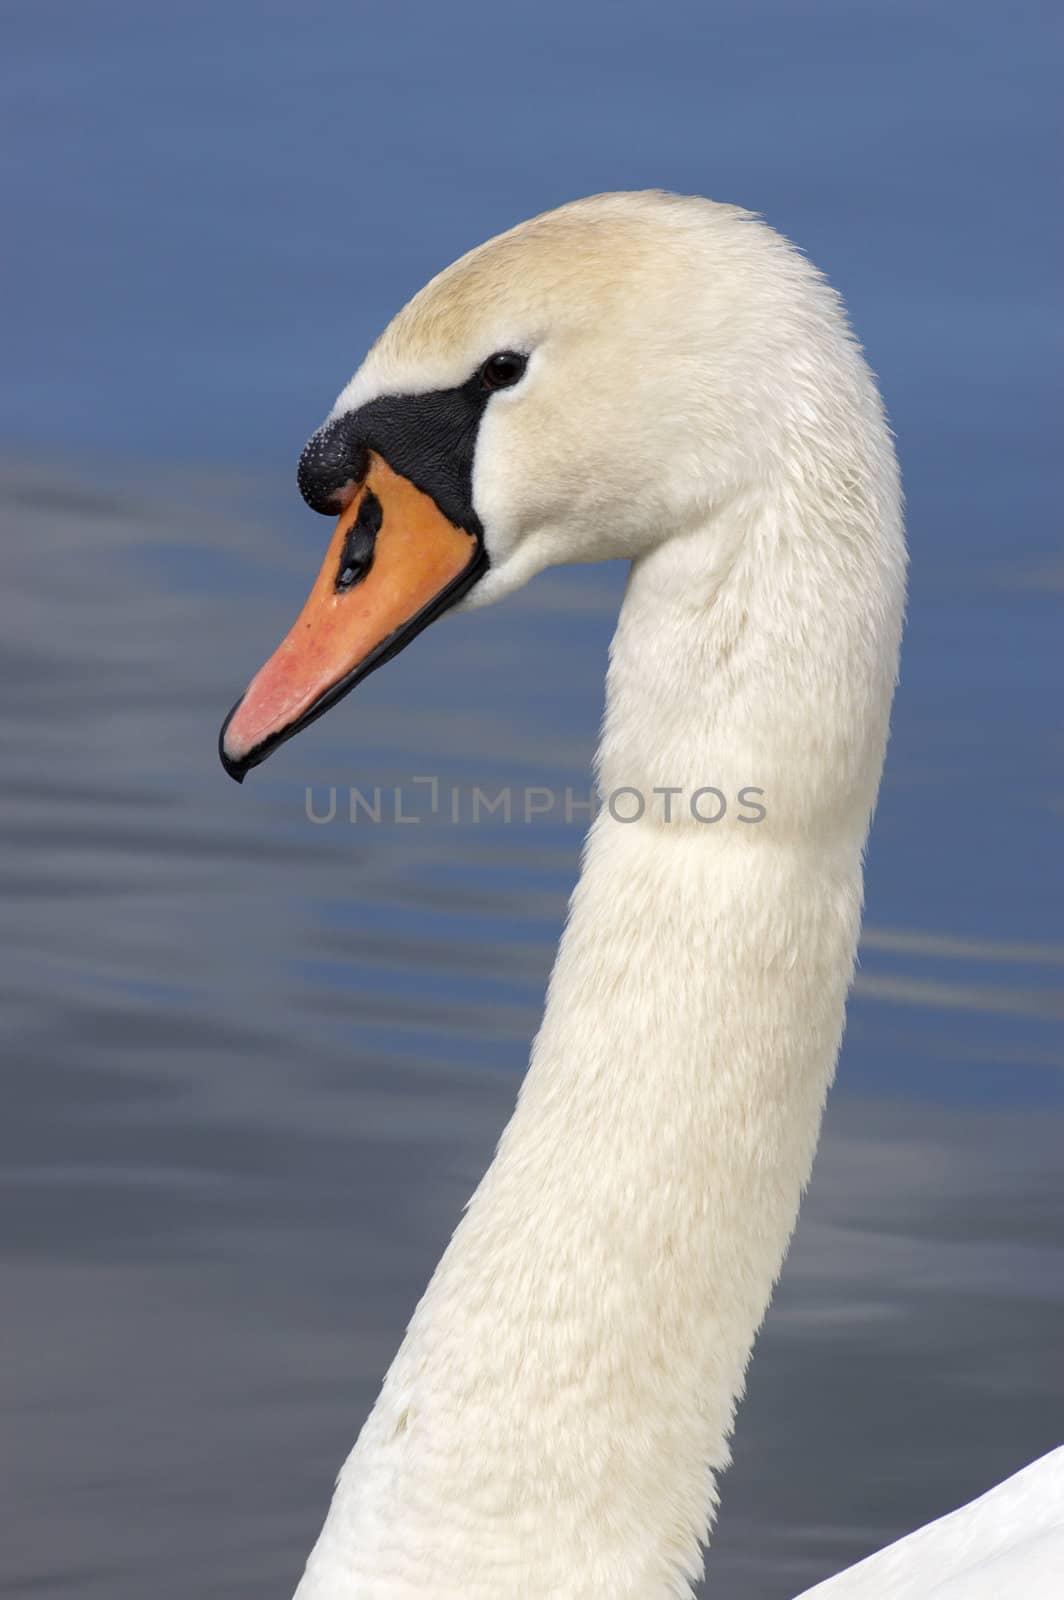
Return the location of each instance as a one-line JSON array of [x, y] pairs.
[[254, 1065]]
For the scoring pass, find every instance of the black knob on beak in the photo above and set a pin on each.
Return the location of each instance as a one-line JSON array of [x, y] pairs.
[[332, 466]]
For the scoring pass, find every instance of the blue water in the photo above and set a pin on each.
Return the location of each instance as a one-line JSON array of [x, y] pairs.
[[254, 1066]]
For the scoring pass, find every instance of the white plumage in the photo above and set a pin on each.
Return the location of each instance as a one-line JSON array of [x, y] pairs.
[[1007, 1545], [557, 1416]]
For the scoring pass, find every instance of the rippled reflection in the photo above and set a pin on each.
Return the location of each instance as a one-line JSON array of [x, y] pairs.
[[253, 1067]]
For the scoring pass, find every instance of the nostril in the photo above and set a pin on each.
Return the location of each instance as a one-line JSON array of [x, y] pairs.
[[331, 467], [356, 557]]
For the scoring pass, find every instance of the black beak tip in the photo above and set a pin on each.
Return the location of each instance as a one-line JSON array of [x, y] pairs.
[[237, 770]]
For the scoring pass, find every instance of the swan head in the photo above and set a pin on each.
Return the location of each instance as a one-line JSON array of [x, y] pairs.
[[583, 387]]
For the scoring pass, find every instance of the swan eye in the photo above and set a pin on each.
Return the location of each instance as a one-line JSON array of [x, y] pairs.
[[503, 370]]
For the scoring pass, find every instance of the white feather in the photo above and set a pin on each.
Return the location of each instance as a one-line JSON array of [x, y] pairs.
[[557, 1416], [1007, 1545]]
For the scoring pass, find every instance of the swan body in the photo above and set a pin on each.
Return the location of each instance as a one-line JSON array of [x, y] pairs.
[[689, 397], [1007, 1545]]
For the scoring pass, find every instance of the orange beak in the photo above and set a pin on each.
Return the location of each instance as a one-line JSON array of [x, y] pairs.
[[394, 564]]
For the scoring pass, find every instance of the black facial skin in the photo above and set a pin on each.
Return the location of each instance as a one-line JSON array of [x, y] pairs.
[[429, 439]]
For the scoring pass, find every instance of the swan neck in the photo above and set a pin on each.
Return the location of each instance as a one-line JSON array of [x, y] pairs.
[[559, 1413], [757, 652]]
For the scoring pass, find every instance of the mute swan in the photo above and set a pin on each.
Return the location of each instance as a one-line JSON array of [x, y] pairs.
[[667, 380]]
